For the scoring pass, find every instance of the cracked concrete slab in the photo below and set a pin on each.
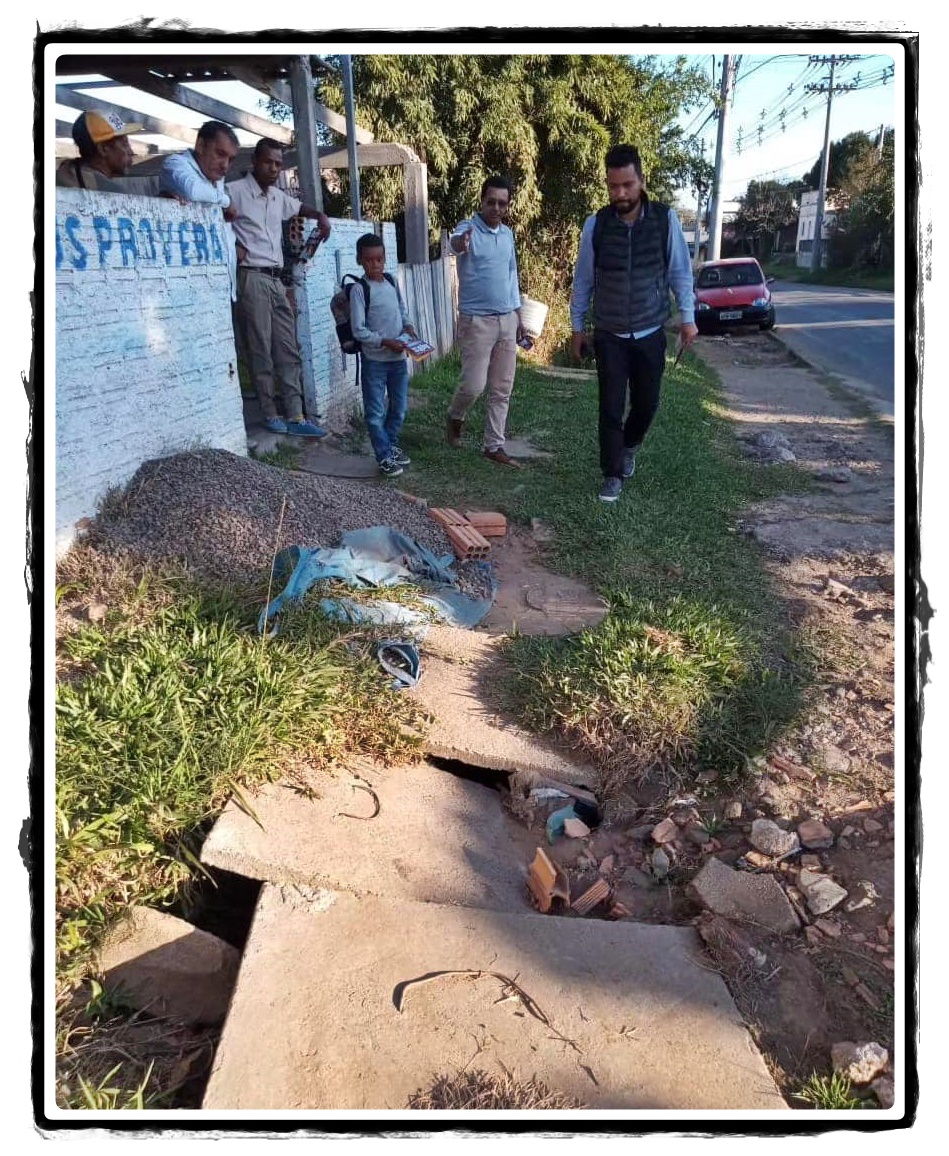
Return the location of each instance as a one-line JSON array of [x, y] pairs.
[[459, 687], [436, 838], [632, 1021]]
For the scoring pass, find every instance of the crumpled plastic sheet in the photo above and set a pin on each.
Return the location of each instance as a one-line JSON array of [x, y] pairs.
[[379, 557]]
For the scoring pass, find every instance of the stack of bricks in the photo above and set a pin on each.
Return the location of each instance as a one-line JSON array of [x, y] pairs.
[[490, 524], [467, 542]]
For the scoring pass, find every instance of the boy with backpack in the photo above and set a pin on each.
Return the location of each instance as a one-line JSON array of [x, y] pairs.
[[378, 318]]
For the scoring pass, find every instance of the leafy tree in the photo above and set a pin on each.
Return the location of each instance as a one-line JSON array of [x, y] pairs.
[[766, 207], [843, 153], [863, 234]]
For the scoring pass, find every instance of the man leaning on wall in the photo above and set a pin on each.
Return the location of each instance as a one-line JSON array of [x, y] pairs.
[[105, 157], [197, 175], [267, 318]]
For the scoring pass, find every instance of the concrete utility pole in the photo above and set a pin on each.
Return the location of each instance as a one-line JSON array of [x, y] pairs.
[[304, 131], [347, 62], [717, 203], [818, 249]]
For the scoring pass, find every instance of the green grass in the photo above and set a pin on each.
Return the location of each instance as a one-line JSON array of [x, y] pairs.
[[829, 1093], [282, 456], [171, 705], [844, 278], [692, 666]]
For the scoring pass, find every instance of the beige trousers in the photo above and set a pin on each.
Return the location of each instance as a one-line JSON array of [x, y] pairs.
[[270, 336], [488, 359]]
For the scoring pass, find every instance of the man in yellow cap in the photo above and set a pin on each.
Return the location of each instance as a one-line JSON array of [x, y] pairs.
[[105, 157]]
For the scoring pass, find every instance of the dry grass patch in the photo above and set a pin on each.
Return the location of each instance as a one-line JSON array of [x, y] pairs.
[[478, 1091]]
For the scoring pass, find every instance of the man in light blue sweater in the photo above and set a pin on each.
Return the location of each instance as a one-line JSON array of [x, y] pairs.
[[489, 321], [384, 369]]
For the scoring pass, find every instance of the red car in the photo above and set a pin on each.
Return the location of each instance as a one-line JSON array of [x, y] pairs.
[[733, 292]]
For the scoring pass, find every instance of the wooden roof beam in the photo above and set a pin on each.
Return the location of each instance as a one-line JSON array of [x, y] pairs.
[[153, 124], [206, 105]]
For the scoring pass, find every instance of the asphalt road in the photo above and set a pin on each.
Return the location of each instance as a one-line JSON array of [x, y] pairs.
[[848, 332]]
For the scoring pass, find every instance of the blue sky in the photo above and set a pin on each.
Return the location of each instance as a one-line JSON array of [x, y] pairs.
[[763, 83]]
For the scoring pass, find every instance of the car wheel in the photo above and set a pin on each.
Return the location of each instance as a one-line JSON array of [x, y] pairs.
[[769, 324]]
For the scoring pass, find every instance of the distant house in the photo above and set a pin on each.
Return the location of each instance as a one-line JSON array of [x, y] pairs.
[[807, 222]]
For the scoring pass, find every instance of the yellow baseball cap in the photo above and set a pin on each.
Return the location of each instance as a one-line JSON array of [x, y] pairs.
[[98, 126]]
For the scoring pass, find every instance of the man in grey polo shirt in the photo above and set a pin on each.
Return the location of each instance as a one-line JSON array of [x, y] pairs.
[[489, 322], [268, 320]]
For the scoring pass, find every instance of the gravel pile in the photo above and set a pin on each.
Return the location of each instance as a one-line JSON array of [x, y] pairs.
[[219, 512]]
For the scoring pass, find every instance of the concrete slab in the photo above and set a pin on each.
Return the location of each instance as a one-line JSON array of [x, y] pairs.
[[532, 599], [459, 688], [740, 895], [633, 1021], [321, 458], [437, 838]]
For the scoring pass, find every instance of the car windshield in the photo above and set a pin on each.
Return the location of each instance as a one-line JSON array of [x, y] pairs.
[[728, 275]]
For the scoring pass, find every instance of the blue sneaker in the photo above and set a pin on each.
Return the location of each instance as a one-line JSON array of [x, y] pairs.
[[305, 429], [629, 462], [611, 489], [275, 425]]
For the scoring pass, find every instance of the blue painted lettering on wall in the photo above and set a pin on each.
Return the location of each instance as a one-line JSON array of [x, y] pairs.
[[201, 244], [182, 241], [216, 248], [121, 243], [127, 241], [145, 228]]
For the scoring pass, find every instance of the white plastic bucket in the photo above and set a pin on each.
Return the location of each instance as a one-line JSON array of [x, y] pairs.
[[533, 315]]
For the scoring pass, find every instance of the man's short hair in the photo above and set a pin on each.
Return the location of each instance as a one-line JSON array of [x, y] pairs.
[[497, 183], [622, 155], [264, 145], [213, 128], [368, 241]]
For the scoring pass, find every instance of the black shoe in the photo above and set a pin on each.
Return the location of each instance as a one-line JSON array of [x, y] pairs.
[[611, 489], [399, 456], [390, 468]]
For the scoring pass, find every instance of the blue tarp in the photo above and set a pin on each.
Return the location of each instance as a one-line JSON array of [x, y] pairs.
[[377, 558]]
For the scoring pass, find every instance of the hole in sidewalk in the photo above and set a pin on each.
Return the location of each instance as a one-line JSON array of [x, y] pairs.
[[222, 905], [486, 776]]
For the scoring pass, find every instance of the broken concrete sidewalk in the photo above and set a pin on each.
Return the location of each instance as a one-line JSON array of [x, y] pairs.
[[634, 1023], [461, 672], [437, 838]]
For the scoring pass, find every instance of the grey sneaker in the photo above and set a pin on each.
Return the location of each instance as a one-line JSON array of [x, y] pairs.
[[390, 468], [399, 456], [629, 462], [611, 489]]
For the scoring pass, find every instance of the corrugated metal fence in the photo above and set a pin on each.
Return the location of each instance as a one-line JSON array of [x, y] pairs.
[[431, 297]]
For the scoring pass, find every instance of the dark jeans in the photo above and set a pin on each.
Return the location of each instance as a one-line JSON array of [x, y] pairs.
[[385, 402], [623, 365]]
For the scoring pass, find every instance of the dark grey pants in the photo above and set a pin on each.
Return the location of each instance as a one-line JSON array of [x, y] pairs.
[[270, 333]]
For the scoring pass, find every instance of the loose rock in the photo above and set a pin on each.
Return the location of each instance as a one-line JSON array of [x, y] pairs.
[[834, 759], [860, 1063], [665, 831], [770, 839], [821, 893], [882, 1088], [738, 894], [660, 863], [733, 810], [815, 835]]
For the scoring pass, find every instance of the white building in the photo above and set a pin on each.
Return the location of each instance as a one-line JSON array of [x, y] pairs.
[[807, 222]]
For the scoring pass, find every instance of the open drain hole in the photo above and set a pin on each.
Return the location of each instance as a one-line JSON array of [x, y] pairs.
[[222, 905], [486, 776]]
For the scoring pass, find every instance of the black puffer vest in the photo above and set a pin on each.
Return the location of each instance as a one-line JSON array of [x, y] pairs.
[[631, 290]]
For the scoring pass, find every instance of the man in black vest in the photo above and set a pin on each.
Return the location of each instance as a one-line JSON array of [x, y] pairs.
[[632, 253]]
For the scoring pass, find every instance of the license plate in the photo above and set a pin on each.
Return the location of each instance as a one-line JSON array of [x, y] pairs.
[[730, 315]]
